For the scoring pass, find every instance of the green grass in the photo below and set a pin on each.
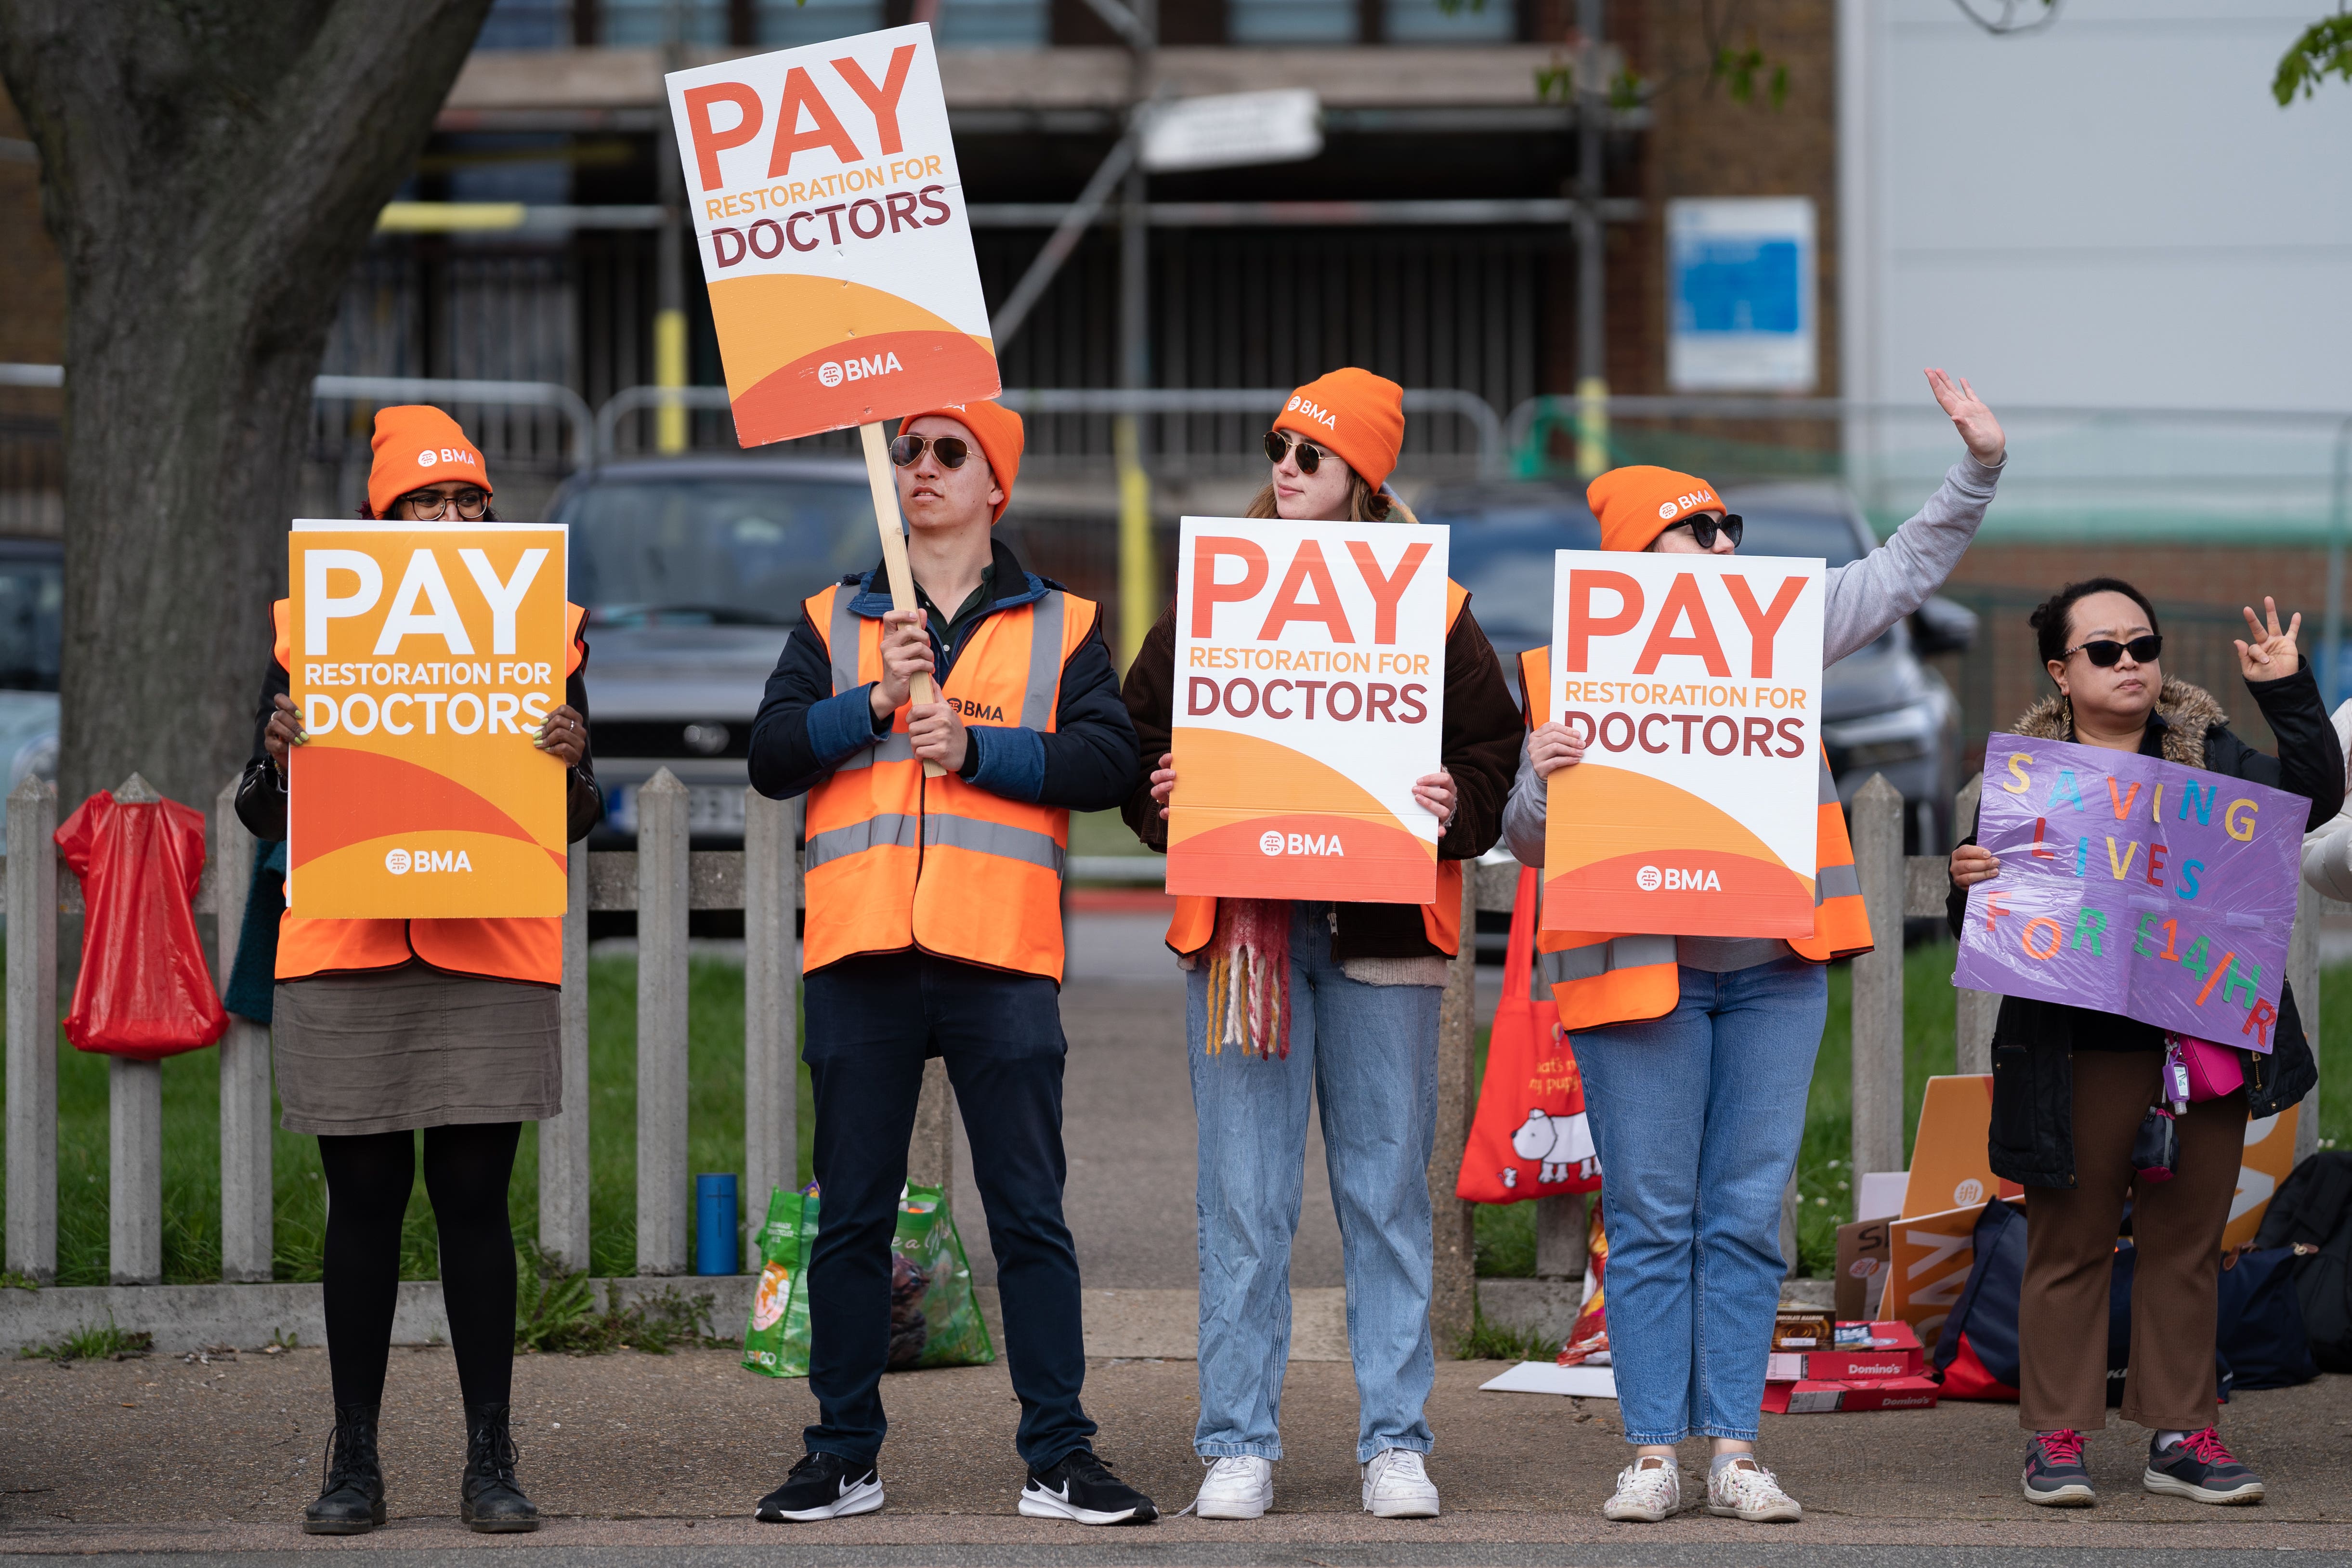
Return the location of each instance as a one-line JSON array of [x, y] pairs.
[[1506, 1233]]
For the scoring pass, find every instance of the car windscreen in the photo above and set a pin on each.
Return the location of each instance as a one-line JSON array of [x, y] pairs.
[[736, 552], [32, 611], [1773, 531]]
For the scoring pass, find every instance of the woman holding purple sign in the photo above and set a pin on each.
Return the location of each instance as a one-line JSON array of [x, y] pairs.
[[2072, 1086]]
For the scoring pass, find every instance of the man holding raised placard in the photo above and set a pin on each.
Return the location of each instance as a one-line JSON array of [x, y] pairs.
[[1695, 1035], [935, 929]]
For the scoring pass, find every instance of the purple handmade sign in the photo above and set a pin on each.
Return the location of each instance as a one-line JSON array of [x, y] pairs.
[[2133, 886]]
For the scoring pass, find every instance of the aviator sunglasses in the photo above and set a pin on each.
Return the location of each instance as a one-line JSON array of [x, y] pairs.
[[1704, 526], [950, 450], [1280, 442], [2106, 653]]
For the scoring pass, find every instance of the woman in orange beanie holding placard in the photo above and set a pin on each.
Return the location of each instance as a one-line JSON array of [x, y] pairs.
[[382, 1027], [1697, 1052], [1358, 1032]]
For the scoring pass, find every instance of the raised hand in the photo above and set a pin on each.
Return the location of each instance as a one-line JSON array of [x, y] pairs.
[[1970, 417], [2268, 653]]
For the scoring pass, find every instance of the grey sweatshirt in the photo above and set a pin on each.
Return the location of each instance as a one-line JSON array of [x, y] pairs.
[[1862, 600]]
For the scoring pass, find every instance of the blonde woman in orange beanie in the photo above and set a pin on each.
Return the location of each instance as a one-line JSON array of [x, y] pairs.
[[382, 1027], [1359, 1037], [1696, 1052]]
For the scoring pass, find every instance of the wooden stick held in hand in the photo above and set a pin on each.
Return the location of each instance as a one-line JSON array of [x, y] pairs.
[[894, 549]]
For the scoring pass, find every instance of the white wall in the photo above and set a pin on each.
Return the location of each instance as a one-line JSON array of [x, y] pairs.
[[2111, 212]]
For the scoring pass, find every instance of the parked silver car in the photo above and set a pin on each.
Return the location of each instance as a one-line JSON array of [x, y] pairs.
[[693, 570]]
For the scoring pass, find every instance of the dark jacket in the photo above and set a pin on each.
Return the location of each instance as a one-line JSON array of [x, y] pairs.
[[1086, 762], [261, 789], [2032, 1137], [1480, 747]]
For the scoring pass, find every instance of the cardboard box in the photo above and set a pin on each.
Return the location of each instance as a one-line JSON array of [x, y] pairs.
[[1803, 1331], [1827, 1398], [1863, 1249], [1892, 1350]]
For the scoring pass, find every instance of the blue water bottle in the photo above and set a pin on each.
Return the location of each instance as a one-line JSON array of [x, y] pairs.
[[715, 1250]]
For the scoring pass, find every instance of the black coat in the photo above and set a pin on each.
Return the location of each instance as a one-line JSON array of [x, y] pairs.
[[2032, 1137]]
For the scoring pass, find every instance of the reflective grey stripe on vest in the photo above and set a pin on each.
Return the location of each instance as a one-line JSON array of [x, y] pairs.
[[1022, 844], [1828, 794], [1599, 958], [1045, 662], [889, 828], [896, 747], [1836, 882]]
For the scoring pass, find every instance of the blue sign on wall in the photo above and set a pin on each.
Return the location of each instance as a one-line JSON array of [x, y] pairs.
[[1741, 291]]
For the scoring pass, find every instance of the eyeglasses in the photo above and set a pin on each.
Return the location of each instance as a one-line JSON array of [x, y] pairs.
[[430, 506], [950, 450], [2105, 652], [1280, 442], [1704, 526]]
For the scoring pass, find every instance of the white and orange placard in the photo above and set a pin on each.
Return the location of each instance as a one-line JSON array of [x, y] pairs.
[[1951, 1165], [1695, 681], [1929, 1256], [1310, 686], [834, 236], [421, 658]]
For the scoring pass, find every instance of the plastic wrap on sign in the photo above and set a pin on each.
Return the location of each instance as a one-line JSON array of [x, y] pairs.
[[2133, 886], [144, 991]]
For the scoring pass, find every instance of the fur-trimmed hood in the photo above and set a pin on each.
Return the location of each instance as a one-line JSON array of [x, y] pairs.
[[2187, 714]]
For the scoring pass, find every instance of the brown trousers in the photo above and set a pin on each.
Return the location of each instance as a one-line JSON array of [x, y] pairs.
[[2070, 1238]]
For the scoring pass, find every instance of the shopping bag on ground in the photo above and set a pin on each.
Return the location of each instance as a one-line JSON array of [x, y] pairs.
[[934, 1312], [1529, 1139], [776, 1340]]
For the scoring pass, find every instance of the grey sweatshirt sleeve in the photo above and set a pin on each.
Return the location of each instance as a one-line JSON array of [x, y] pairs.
[[1523, 813], [1892, 581]]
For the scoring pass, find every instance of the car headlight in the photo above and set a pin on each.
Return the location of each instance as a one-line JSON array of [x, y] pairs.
[[1882, 740]]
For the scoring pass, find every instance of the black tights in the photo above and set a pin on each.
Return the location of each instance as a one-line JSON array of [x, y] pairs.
[[368, 1180]]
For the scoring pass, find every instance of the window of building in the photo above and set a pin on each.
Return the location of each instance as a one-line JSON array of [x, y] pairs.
[[1293, 21], [639, 24], [1470, 22], [785, 25], [995, 25], [526, 25]]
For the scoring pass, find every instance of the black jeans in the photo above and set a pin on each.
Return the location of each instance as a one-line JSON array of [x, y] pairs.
[[871, 1024]]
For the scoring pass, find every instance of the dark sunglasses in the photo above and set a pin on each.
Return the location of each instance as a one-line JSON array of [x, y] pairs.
[[2106, 653], [1706, 526], [950, 450], [1280, 442]]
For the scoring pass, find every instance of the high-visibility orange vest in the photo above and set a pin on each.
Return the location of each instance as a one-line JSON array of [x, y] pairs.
[[1441, 921], [1599, 978], [896, 860], [529, 949]]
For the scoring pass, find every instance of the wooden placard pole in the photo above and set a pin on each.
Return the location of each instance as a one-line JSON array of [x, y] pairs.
[[893, 547]]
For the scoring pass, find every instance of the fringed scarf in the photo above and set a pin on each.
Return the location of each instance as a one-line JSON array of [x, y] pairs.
[[1249, 978]]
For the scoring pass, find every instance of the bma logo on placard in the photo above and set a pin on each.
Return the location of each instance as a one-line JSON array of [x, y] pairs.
[[833, 373], [400, 862], [1273, 843], [1675, 879]]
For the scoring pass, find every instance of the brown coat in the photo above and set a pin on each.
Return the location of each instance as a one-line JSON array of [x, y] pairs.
[[1480, 747]]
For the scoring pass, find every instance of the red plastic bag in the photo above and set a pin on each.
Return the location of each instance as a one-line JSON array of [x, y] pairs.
[[1529, 1139], [144, 991], [1588, 1338]]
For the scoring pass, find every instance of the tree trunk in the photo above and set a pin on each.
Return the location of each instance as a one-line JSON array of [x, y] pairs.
[[211, 171]]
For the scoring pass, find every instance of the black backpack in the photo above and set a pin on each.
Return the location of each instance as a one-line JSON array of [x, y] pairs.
[[2313, 1209]]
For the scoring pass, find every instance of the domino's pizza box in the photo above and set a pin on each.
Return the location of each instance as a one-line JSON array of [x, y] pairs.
[[1824, 1397], [1863, 1351]]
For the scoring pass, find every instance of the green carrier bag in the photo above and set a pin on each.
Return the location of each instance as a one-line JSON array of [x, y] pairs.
[[934, 1316]]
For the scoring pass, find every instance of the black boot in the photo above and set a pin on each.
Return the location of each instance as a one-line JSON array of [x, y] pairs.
[[488, 1498], [351, 1501]]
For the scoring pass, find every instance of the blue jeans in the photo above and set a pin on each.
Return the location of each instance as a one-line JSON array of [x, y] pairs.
[[1368, 1054], [1697, 1117], [871, 1023]]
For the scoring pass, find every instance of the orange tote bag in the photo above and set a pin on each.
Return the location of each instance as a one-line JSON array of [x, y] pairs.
[[1529, 1139]]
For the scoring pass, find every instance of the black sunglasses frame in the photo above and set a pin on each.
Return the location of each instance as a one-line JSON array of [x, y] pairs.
[[445, 506], [906, 451], [2106, 652], [1704, 526], [1278, 444]]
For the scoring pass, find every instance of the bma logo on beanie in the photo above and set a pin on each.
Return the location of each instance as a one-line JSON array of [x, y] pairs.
[[1320, 414]]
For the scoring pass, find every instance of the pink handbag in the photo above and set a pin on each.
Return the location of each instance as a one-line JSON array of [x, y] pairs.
[[2198, 1069]]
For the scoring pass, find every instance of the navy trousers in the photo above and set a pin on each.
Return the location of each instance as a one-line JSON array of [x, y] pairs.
[[871, 1024]]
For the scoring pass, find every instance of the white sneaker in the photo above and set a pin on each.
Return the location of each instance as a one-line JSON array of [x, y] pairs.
[[1396, 1486], [1238, 1485], [1746, 1489], [1648, 1491]]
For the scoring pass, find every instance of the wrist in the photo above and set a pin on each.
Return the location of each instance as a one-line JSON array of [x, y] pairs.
[[878, 705]]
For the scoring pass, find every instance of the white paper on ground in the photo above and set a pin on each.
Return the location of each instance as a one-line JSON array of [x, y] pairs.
[[1882, 1194], [1546, 1378]]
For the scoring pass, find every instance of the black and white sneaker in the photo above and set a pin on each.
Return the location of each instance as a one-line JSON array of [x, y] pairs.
[[823, 1486], [1081, 1487], [2200, 1469]]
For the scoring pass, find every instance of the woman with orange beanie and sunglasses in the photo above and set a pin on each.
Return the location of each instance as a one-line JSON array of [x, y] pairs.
[[382, 1027], [1697, 1052], [1364, 982]]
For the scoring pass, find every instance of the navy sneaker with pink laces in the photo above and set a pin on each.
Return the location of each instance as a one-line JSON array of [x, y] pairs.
[[2200, 1469], [2054, 1476]]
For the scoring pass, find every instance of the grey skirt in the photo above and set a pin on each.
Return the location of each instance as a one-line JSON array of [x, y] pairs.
[[394, 1049]]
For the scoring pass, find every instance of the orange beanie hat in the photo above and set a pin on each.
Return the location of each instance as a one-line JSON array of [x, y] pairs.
[[1637, 504], [997, 430], [1354, 413], [417, 444]]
